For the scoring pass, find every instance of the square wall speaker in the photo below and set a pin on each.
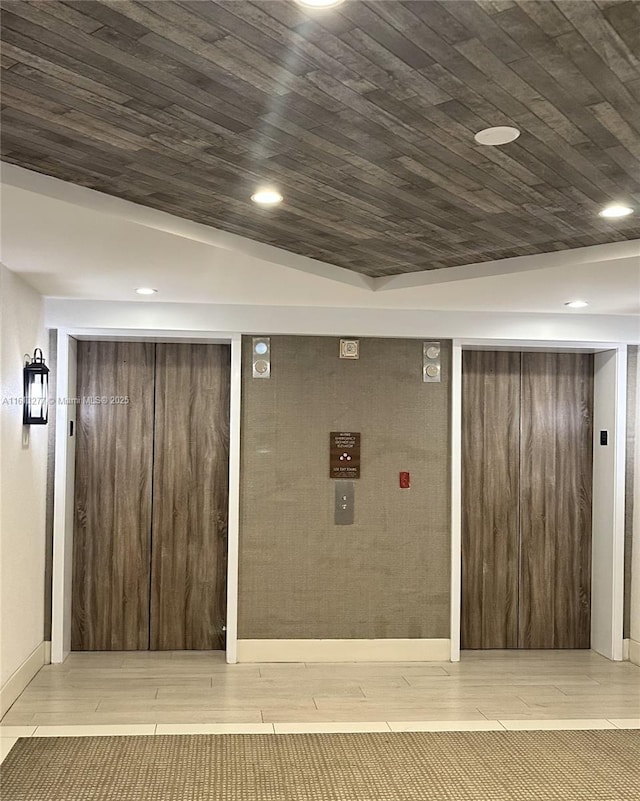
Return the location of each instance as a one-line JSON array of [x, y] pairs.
[[349, 348], [261, 358]]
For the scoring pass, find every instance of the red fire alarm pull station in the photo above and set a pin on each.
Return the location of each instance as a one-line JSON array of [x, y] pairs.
[[405, 480]]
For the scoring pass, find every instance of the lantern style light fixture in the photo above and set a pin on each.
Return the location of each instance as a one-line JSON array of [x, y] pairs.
[[35, 403]]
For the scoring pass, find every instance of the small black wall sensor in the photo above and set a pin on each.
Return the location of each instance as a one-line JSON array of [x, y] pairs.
[[604, 437]]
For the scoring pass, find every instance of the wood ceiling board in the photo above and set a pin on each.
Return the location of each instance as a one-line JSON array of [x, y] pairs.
[[363, 115]]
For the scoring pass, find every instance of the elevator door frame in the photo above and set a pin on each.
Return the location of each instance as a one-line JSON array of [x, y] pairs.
[[65, 472], [607, 541]]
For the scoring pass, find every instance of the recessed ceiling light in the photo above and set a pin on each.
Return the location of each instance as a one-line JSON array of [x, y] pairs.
[[266, 197], [576, 304], [616, 211], [497, 136], [145, 290], [319, 3]]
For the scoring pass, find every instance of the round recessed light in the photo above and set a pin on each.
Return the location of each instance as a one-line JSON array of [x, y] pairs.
[[266, 197], [576, 304], [319, 3], [616, 211], [146, 290], [497, 136]]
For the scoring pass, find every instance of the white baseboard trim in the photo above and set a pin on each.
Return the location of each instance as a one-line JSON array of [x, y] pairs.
[[634, 652], [344, 650], [16, 683], [47, 652], [625, 650]]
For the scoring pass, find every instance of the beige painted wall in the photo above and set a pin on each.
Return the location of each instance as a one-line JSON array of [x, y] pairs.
[[386, 576], [23, 466]]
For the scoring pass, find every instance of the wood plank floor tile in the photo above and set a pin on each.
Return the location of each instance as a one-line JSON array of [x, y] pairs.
[[625, 723], [446, 725], [552, 725], [369, 715], [16, 731], [148, 717], [201, 689], [214, 728], [347, 727], [95, 730]]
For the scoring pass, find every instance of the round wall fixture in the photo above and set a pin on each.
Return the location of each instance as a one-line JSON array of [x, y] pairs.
[[501, 135], [616, 211], [266, 196]]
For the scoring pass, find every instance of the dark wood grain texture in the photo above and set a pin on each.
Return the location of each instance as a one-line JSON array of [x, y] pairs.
[[190, 497], [556, 493], [112, 531], [526, 487], [490, 512], [364, 115]]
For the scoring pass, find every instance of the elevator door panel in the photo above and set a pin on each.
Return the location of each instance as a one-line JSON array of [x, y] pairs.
[[190, 497], [555, 497], [526, 485], [490, 443], [112, 527]]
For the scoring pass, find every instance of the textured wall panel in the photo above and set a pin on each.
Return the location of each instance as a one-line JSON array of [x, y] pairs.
[[387, 575]]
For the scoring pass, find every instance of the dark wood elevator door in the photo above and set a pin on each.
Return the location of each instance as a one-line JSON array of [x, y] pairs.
[[490, 447], [556, 463], [190, 497], [151, 496], [112, 531], [526, 484]]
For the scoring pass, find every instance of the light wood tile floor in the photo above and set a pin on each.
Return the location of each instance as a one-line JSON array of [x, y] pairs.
[[181, 691]]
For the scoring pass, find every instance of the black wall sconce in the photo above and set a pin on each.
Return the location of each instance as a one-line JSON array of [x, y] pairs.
[[35, 403]]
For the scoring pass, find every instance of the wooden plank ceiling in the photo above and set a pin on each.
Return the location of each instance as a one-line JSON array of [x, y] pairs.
[[363, 115]]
